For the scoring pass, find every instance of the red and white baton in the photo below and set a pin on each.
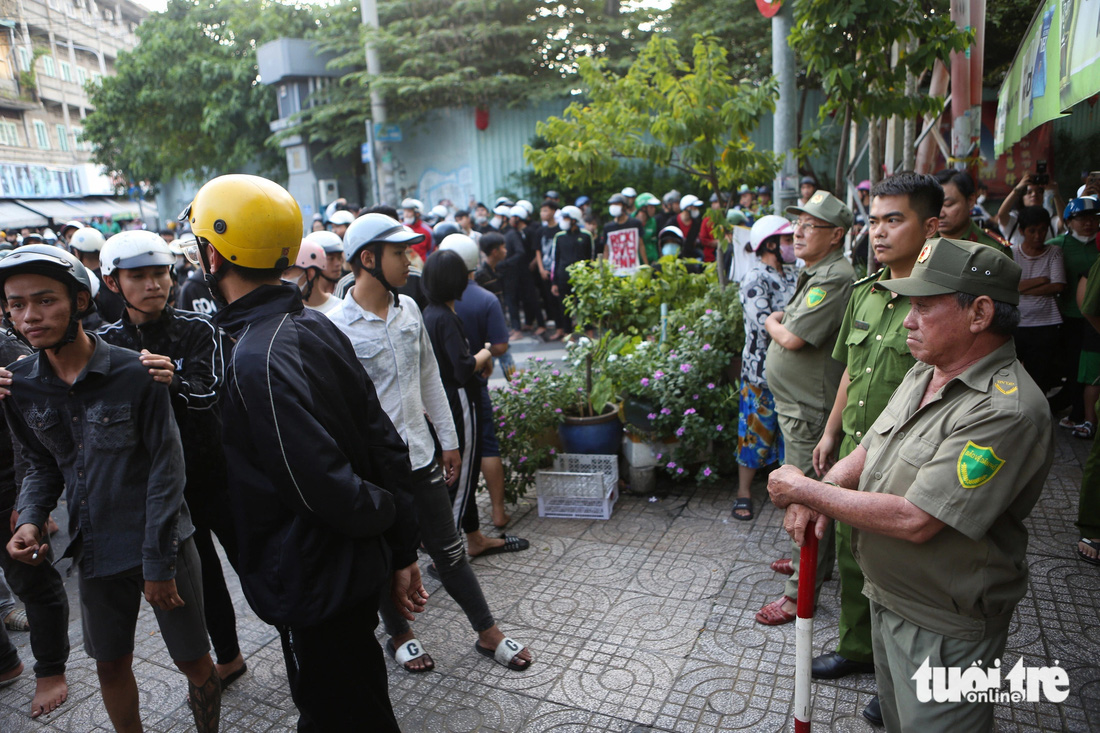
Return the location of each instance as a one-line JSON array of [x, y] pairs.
[[804, 631]]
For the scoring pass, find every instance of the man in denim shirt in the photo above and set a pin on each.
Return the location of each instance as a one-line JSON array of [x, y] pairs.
[[89, 421]]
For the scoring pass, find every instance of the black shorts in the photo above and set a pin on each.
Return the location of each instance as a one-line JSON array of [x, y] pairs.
[[109, 610]]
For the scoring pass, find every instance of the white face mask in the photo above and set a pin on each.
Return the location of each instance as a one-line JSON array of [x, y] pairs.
[[615, 210], [480, 220], [670, 249], [695, 213], [408, 220], [564, 224], [496, 222], [1081, 239]]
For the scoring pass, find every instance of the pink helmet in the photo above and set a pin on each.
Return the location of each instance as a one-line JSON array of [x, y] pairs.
[[310, 255]]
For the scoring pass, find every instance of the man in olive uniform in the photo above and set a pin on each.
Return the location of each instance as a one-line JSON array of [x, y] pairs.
[[959, 197], [802, 374], [904, 212], [938, 490]]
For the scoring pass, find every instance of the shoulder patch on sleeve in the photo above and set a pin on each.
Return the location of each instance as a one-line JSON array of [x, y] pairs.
[[977, 464], [815, 297]]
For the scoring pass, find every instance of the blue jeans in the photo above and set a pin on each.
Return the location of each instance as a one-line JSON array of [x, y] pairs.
[[440, 537]]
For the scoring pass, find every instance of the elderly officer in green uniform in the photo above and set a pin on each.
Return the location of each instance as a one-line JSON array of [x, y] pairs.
[[938, 490], [904, 213], [802, 374]]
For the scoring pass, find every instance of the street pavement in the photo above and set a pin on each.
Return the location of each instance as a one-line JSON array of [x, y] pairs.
[[640, 623]]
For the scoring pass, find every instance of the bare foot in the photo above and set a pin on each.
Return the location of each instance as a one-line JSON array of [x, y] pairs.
[[49, 693], [12, 673], [501, 518], [1088, 550], [790, 606], [51, 526], [420, 664], [225, 671], [477, 543]]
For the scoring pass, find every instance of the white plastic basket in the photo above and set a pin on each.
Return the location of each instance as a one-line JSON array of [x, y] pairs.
[[579, 487]]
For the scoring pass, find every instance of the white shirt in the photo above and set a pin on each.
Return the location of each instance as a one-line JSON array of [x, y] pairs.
[[398, 357], [331, 303]]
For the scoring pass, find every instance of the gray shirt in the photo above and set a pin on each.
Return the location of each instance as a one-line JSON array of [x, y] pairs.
[[110, 442]]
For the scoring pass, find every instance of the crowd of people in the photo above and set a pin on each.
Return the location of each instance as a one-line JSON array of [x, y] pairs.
[[320, 406]]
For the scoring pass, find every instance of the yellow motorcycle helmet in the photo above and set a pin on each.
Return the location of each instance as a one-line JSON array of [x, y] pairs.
[[251, 221]]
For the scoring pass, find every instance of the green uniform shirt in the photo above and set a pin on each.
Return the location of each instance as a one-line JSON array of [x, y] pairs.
[[1079, 258], [1090, 305], [872, 345], [975, 457], [976, 234], [804, 381]]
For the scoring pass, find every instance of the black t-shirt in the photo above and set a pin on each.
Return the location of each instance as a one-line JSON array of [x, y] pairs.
[[195, 296]]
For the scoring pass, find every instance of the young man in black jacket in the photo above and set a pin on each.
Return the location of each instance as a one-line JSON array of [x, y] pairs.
[[186, 349], [318, 473]]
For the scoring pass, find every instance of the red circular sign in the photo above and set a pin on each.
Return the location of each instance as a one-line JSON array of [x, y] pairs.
[[768, 8]]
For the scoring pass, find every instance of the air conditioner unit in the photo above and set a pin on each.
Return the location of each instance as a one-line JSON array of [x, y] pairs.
[[329, 190]]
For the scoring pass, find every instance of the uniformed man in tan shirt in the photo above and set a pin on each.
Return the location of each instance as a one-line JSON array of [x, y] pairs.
[[939, 488], [802, 374]]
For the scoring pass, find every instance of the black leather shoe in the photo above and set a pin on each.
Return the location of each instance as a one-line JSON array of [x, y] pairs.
[[832, 666], [873, 712]]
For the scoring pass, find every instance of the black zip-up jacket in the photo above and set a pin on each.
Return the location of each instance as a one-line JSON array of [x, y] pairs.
[[194, 343], [319, 476]]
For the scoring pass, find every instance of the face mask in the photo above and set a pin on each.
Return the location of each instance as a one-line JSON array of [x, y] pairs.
[[495, 223], [408, 220], [1079, 238], [615, 210], [786, 251], [564, 224], [670, 249], [695, 213], [981, 199], [480, 220]]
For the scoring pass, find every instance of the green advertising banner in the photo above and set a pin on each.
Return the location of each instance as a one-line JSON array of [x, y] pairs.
[[1057, 66]]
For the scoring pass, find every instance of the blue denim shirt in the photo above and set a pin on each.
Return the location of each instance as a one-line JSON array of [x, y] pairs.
[[110, 442]]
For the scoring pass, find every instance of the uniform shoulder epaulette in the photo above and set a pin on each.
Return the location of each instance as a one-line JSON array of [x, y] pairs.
[[868, 279]]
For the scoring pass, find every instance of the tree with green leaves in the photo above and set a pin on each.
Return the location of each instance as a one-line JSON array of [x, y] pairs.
[[187, 98], [691, 116], [849, 42], [454, 54]]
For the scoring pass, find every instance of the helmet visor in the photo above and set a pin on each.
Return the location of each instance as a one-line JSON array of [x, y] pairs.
[[191, 252]]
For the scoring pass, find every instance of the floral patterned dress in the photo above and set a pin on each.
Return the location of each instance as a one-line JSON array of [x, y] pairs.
[[764, 290]]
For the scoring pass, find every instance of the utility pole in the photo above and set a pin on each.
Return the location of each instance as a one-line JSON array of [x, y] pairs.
[[785, 128], [385, 188]]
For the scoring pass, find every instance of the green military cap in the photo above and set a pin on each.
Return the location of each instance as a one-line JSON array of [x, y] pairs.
[[957, 266], [827, 207]]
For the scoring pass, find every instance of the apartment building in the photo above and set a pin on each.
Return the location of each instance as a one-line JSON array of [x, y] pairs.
[[49, 51]]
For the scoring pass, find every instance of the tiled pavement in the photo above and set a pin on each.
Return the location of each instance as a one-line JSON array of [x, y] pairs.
[[643, 622]]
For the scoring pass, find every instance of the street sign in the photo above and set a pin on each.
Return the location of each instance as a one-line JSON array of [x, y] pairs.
[[387, 133], [365, 153]]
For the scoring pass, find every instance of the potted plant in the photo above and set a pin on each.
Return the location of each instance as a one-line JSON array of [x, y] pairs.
[[591, 423]]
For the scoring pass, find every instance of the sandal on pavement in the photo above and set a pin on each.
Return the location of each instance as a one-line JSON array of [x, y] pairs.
[[506, 653], [1094, 544], [511, 544], [17, 620], [784, 566], [743, 504], [773, 613], [1084, 431], [1067, 423], [233, 676], [410, 650]]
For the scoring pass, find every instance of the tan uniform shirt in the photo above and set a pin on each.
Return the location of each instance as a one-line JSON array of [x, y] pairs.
[[804, 381], [975, 457]]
